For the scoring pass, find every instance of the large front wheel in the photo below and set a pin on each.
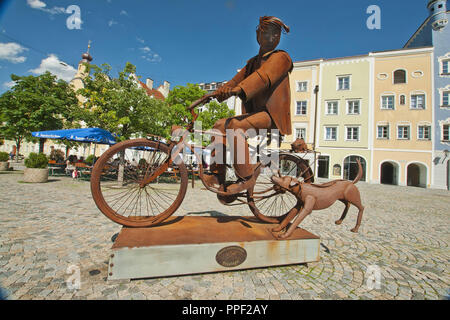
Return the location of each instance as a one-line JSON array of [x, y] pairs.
[[120, 183]]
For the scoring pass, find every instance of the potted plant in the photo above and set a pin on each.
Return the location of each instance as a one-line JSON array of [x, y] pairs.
[[4, 164], [36, 168]]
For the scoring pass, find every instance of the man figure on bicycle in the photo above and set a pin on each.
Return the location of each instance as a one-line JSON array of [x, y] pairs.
[[263, 86]]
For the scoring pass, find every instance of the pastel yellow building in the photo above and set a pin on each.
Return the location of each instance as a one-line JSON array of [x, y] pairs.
[[402, 121], [343, 126], [303, 80]]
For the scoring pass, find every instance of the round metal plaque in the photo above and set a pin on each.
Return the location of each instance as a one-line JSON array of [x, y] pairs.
[[231, 256]]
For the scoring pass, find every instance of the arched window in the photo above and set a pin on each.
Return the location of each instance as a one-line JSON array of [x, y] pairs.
[[336, 170], [351, 167], [402, 100], [399, 76]]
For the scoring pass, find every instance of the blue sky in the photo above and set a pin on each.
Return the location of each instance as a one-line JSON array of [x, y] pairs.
[[190, 41]]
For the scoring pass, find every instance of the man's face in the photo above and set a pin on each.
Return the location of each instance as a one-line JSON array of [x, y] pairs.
[[268, 39]]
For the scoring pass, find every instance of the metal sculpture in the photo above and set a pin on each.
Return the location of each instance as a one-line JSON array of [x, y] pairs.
[[263, 86], [318, 197], [129, 182]]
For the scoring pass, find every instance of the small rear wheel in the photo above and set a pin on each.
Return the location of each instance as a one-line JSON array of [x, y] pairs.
[[117, 183], [271, 204]]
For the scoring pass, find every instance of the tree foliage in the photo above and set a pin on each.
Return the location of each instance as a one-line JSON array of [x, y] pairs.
[[35, 103], [120, 105], [181, 97]]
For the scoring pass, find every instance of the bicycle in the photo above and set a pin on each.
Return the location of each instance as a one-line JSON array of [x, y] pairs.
[[145, 194]]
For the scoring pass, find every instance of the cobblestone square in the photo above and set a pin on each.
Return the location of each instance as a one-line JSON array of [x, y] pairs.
[[46, 228]]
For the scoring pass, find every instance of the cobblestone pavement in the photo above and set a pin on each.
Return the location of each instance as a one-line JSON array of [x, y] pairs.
[[44, 228]]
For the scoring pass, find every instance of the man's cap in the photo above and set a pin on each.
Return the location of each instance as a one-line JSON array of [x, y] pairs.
[[270, 20]]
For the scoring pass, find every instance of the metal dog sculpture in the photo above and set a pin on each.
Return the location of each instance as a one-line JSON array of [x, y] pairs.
[[318, 197], [299, 145]]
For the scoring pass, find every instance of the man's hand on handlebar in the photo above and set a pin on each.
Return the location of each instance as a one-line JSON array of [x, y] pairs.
[[225, 92], [221, 95]]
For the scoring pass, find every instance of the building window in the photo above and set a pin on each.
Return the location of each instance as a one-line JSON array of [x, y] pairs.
[[402, 100], [337, 170], [383, 132], [331, 133], [344, 83], [332, 108], [445, 67], [418, 101], [445, 132], [353, 107], [387, 102], [302, 86], [445, 98], [301, 108], [399, 76], [424, 133], [352, 134], [300, 133], [403, 132]]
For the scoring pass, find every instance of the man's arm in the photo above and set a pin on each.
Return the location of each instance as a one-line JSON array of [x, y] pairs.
[[275, 68], [229, 89]]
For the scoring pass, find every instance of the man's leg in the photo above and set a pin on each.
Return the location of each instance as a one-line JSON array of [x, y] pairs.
[[240, 124], [218, 156]]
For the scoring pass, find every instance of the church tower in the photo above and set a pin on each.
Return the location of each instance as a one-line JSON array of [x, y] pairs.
[[86, 58], [438, 14]]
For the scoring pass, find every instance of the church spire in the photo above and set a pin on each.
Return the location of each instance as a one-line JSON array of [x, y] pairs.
[[86, 56]]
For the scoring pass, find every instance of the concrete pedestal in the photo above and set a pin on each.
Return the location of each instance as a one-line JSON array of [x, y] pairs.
[[190, 245]]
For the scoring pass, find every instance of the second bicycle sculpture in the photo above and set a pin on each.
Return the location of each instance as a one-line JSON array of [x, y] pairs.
[[133, 183]]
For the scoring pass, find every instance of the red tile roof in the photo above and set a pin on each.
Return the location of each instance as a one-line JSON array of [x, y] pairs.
[[152, 92]]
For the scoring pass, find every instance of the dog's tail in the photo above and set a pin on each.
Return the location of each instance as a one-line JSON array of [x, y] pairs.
[[360, 172]]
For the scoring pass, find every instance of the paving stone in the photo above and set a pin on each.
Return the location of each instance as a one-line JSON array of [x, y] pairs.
[[40, 240]]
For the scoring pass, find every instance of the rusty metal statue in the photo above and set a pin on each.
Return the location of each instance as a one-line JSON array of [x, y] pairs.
[[263, 86], [299, 145], [139, 195], [318, 197]]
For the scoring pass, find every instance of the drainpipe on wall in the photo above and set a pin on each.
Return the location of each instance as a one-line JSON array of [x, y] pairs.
[[316, 92]]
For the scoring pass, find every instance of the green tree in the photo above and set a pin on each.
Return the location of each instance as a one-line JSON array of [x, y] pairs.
[[181, 97], [35, 103], [120, 106]]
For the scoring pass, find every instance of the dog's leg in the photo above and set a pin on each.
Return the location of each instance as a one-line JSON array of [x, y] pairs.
[[307, 208], [347, 206], [353, 196], [358, 222], [287, 219]]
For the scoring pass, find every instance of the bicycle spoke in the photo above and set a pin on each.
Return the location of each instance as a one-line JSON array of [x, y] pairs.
[[123, 173]]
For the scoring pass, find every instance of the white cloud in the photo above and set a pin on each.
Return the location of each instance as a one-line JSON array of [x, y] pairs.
[[40, 5], [149, 55], [140, 40], [11, 52], [60, 69], [111, 22], [36, 4], [9, 84], [123, 13]]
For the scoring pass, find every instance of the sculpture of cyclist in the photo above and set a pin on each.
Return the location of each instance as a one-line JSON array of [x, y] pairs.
[[263, 86]]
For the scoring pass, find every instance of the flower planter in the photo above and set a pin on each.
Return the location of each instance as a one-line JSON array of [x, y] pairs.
[[4, 165], [35, 175]]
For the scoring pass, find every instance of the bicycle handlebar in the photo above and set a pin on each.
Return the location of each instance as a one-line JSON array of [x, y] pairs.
[[203, 99]]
